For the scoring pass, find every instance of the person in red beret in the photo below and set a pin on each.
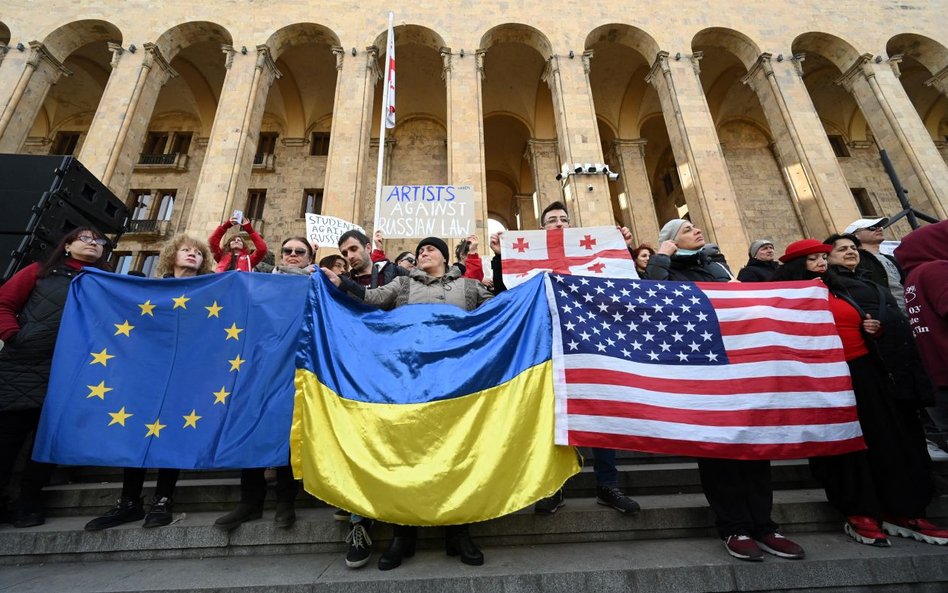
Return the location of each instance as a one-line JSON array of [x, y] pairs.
[[882, 489]]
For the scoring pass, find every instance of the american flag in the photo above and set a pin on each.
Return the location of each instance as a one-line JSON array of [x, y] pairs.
[[588, 250], [736, 371]]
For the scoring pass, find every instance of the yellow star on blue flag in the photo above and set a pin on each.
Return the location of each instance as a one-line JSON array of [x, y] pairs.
[[116, 388]]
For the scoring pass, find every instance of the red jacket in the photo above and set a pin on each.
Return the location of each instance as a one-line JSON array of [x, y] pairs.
[[245, 260], [923, 256]]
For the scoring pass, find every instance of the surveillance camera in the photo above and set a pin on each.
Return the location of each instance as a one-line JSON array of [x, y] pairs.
[[589, 188]]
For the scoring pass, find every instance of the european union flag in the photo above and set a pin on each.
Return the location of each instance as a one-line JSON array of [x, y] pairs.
[[190, 373]]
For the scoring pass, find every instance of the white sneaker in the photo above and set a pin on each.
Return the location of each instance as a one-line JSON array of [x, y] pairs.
[[936, 452]]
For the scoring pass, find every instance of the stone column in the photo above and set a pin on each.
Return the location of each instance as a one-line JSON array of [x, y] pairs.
[[118, 130], [465, 118], [705, 182], [577, 134], [898, 129], [24, 81], [528, 216], [225, 173], [347, 169], [812, 173], [639, 206], [544, 165]]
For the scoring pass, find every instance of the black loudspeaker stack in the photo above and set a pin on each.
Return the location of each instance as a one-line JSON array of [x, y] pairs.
[[44, 197]]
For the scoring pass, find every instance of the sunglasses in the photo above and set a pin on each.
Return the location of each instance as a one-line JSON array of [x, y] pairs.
[[298, 251], [875, 227], [90, 240], [407, 258]]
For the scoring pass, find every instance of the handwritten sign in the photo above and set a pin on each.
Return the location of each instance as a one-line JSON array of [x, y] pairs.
[[418, 211], [326, 230]]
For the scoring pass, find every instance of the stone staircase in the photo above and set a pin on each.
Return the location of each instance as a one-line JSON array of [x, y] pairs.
[[669, 546]]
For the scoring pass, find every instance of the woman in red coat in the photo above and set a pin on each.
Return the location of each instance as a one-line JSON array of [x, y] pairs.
[[237, 257]]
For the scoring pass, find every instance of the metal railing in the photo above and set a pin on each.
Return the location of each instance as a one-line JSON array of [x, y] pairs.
[[158, 159], [150, 227]]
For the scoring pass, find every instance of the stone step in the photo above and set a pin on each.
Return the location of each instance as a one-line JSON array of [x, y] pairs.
[[688, 565], [62, 539], [198, 491]]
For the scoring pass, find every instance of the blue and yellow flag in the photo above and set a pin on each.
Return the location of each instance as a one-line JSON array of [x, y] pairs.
[[428, 414], [180, 373]]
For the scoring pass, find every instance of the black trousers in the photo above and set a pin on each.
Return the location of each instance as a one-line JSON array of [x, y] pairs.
[[740, 494], [16, 427], [133, 481], [253, 485], [892, 475]]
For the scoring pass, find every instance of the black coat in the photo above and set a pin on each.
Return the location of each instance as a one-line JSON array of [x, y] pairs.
[[895, 347], [697, 267], [26, 359], [758, 271]]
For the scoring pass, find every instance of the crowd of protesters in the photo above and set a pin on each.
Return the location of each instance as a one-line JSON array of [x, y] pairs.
[[891, 314]]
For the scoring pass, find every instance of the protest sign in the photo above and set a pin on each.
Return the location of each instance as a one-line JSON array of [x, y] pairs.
[[418, 211], [326, 230]]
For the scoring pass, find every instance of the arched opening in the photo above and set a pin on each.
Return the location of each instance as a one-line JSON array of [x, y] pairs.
[[63, 121], [520, 143], [922, 60]]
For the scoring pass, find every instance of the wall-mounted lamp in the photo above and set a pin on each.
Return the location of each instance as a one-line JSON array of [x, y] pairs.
[[353, 52], [677, 56], [461, 53], [243, 50], [571, 54], [878, 59], [20, 46], [779, 57], [132, 49]]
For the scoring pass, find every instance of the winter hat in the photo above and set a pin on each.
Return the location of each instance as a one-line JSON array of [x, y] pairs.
[[804, 247], [670, 230], [437, 244], [756, 245]]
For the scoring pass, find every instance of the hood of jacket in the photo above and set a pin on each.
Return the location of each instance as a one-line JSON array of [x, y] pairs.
[[926, 244]]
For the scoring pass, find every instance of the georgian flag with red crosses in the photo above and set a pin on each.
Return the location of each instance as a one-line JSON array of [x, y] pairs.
[[592, 251]]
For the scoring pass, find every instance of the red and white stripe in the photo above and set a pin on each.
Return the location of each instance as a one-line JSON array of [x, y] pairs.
[[785, 394]]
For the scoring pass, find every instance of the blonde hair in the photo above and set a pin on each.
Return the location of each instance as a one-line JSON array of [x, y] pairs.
[[169, 251]]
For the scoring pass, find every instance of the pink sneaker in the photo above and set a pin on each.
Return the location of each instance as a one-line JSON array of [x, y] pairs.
[[921, 529]]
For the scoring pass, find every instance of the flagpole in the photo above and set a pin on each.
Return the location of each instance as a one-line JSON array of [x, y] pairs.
[[389, 46]]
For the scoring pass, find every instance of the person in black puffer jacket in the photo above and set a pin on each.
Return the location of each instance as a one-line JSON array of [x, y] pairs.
[[31, 307], [762, 263], [740, 492]]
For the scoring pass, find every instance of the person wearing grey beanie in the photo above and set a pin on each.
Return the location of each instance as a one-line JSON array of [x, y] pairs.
[[680, 256], [762, 264]]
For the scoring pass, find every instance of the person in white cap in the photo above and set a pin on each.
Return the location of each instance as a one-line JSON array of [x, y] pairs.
[[762, 263], [880, 268]]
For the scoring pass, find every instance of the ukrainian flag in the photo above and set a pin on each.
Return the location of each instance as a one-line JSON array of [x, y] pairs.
[[428, 414]]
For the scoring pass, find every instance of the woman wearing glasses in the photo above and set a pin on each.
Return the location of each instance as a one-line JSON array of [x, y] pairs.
[[296, 257], [31, 307]]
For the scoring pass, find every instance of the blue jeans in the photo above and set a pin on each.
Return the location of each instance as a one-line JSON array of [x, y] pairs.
[[604, 466]]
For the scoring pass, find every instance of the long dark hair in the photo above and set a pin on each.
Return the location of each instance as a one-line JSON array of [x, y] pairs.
[[795, 269], [59, 252]]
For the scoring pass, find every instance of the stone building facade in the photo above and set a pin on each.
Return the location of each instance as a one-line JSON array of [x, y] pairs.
[[753, 120]]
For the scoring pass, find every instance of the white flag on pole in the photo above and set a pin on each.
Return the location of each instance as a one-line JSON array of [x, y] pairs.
[[390, 76]]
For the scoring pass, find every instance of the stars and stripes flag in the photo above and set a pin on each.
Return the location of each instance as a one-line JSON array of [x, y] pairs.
[[728, 370], [592, 251], [390, 77]]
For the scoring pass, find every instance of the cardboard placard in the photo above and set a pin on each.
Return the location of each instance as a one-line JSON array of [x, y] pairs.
[[326, 230], [419, 211]]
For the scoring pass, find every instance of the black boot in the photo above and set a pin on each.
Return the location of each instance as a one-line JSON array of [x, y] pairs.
[[285, 515], [125, 510], [458, 542], [244, 512], [402, 546]]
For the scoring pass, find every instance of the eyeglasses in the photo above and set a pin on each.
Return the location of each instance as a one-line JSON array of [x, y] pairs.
[[554, 219], [407, 258], [89, 240], [298, 251]]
